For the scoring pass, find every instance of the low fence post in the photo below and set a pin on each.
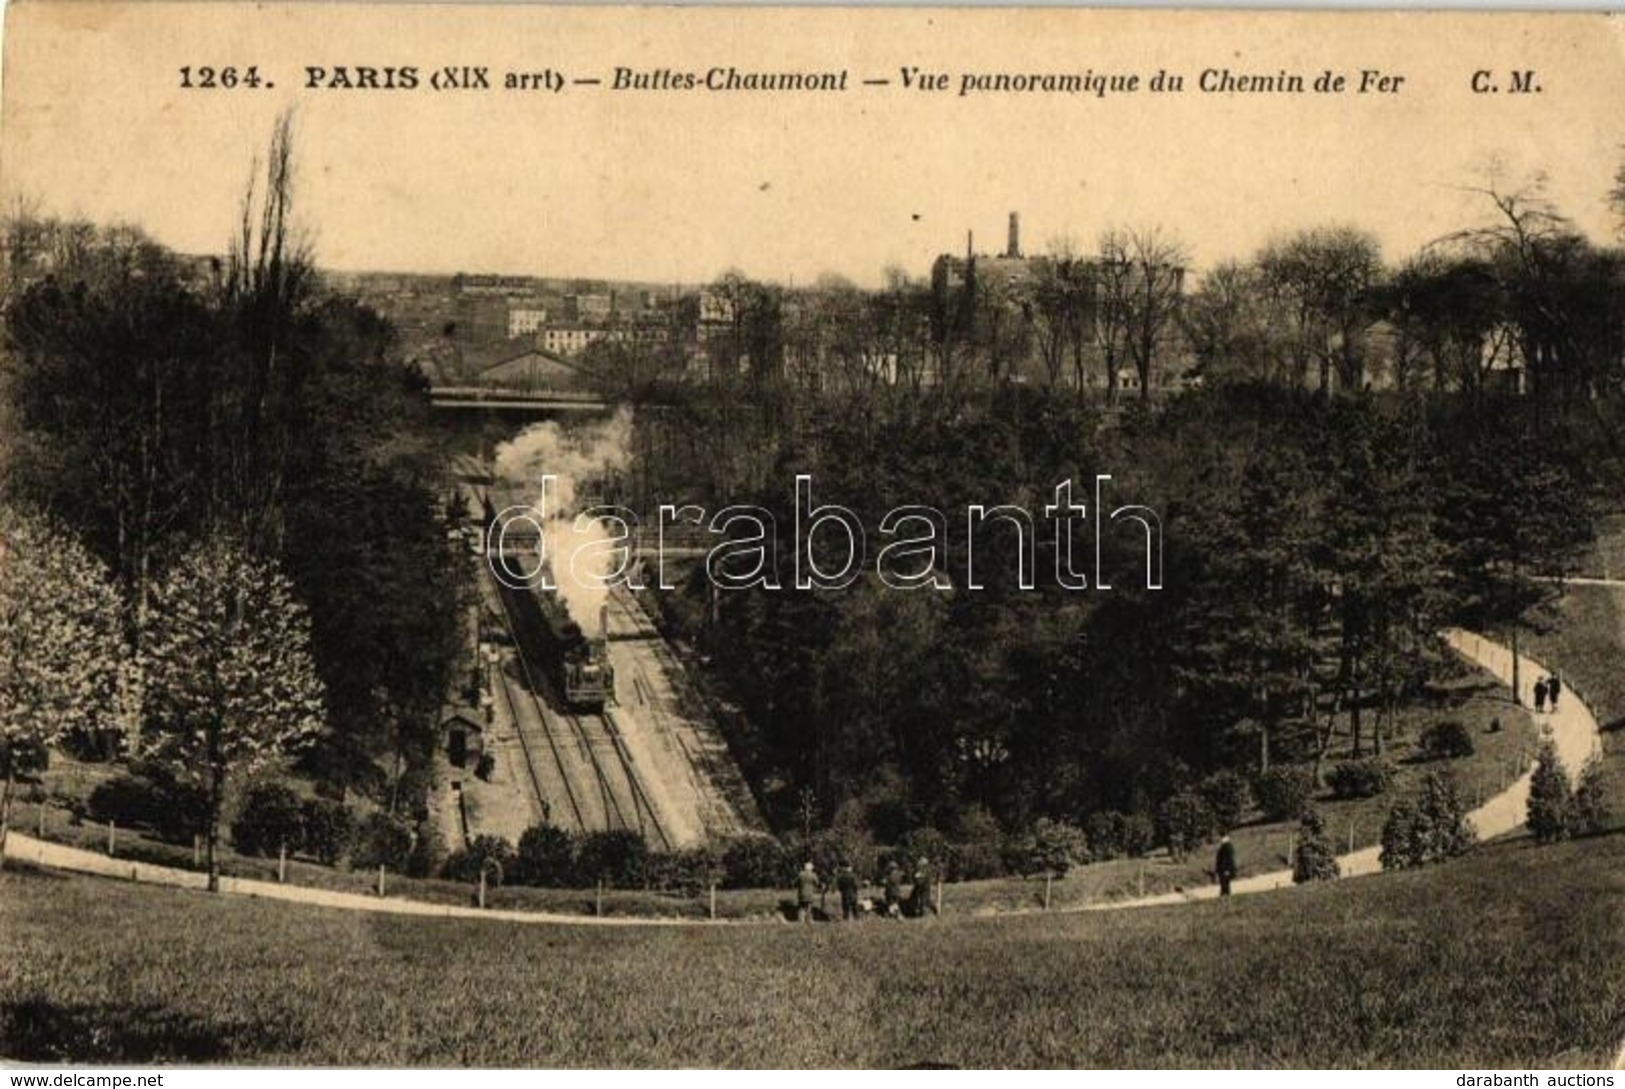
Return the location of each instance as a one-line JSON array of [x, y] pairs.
[[598, 899], [1048, 878], [282, 864], [380, 879], [482, 888], [112, 837], [41, 821], [713, 900], [197, 851]]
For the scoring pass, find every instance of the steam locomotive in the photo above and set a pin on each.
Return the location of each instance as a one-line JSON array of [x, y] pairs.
[[577, 664]]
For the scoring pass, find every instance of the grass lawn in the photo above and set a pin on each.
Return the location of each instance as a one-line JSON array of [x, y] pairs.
[[1514, 956]]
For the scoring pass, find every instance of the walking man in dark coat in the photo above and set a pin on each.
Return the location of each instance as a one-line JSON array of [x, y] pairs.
[[1553, 688], [1225, 865], [1540, 696], [846, 883]]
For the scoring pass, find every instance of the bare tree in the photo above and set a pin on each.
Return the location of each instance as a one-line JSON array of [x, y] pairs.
[[269, 277], [1141, 278], [1227, 325], [1059, 313], [1562, 294], [1113, 284], [1324, 282], [1159, 285]]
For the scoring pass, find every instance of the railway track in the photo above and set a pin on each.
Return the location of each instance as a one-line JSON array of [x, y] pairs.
[[534, 694], [530, 765], [640, 797], [614, 812], [621, 797]]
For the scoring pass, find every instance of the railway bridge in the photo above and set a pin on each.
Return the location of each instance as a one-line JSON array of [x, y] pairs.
[[539, 402]]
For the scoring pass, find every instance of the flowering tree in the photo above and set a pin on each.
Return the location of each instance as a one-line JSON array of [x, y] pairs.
[[228, 681], [60, 650]]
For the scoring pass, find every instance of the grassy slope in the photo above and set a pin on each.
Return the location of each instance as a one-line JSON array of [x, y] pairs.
[[1511, 957]]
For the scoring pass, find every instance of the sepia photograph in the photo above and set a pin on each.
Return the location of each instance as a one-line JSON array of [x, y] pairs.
[[811, 538]]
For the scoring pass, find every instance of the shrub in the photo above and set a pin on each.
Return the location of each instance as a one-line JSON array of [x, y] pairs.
[[1138, 835], [1060, 845], [1184, 822], [1431, 829], [1315, 859], [329, 829], [1361, 778], [924, 840], [153, 799], [382, 840], [688, 871], [26, 757], [755, 861], [618, 857], [1403, 839], [128, 800], [978, 846], [1050, 846], [491, 854], [428, 853], [546, 856], [1446, 740], [1551, 800], [1227, 796], [930, 844], [1591, 807], [829, 848], [1282, 792], [1105, 831], [270, 818]]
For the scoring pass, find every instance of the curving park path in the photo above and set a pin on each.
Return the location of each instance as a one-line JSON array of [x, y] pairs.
[[1573, 727]]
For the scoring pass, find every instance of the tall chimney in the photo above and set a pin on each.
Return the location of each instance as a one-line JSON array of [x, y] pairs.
[[1015, 235]]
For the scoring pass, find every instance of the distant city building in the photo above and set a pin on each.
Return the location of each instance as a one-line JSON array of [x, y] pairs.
[[715, 308], [522, 321], [569, 339], [480, 284], [589, 307]]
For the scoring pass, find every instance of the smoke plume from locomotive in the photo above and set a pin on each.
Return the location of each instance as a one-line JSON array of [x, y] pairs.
[[574, 458]]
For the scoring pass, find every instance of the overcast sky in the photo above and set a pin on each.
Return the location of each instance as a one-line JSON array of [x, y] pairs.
[[679, 186]]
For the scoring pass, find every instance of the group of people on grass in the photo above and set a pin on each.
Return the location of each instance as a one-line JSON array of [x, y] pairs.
[[893, 904], [1546, 691]]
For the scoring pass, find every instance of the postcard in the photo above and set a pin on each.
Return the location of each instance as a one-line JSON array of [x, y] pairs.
[[802, 538]]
